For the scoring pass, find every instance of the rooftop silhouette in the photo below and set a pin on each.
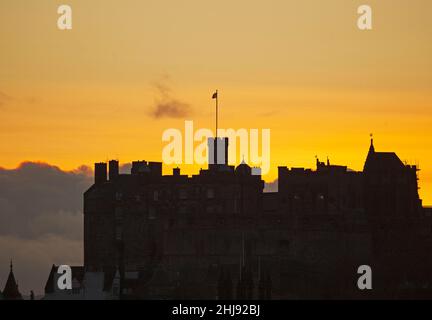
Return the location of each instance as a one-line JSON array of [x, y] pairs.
[[218, 235]]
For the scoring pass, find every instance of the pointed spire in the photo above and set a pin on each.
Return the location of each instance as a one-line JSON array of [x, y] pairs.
[[370, 155], [10, 291], [371, 148]]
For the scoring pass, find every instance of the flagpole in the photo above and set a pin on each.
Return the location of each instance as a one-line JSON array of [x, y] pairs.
[[215, 96], [217, 107]]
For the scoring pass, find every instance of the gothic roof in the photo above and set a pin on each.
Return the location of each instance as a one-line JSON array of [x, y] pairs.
[[10, 291], [381, 161]]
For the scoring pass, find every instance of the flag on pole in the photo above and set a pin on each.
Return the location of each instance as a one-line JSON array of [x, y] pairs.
[[215, 95]]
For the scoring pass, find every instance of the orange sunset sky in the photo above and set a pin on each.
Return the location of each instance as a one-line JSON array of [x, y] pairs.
[[300, 68]]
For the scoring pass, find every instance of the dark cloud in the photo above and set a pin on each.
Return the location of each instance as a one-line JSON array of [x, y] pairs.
[[41, 220], [38, 199], [167, 106], [171, 109]]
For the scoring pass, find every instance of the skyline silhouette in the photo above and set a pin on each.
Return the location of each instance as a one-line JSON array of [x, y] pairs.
[[40, 174], [218, 235], [128, 71]]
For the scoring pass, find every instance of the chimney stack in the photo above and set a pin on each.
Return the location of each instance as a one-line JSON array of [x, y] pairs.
[[100, 172], [113, 170]]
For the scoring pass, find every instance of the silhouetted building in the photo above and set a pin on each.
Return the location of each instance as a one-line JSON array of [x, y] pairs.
[[10, 291], [394, 213], [217, 235]]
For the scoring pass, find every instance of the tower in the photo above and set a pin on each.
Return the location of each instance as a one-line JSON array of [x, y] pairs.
[[10, 291], [218, 151], [100, 172]]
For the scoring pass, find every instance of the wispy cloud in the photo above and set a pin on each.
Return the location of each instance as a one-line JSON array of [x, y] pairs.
[[4, 98], [166, 105]]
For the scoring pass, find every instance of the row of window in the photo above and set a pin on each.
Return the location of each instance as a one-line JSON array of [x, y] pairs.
[[152, 211], [182, 194]]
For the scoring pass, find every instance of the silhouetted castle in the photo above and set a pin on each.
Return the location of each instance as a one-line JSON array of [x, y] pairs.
[[217, 235]]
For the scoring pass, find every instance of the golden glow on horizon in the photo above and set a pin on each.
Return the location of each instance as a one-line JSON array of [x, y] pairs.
[[300, 68]]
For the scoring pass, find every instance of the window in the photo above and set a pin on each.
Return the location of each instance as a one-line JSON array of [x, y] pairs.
[[155, 195], [119, 232], [227, 244], [118, 213], [284, 244], [219, 208], [190, 220], [210, 193], [199, 247], [116, 291], [197, 191], [183, 194], [76, 286], [152, 213]]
